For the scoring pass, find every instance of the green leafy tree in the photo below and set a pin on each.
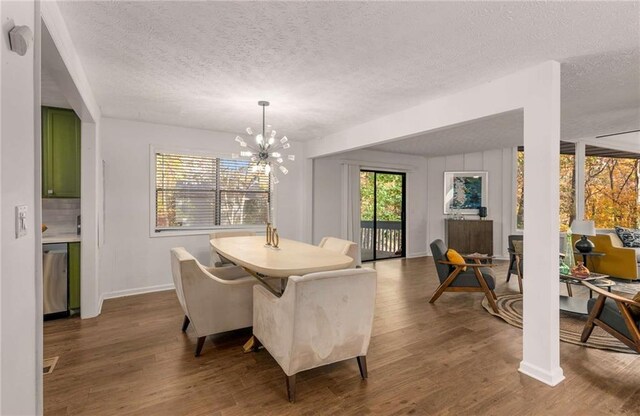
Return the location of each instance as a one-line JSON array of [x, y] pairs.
[[612, 191], [389, 196]]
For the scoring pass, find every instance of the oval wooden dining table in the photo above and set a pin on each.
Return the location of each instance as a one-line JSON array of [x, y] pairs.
[[291, 258]]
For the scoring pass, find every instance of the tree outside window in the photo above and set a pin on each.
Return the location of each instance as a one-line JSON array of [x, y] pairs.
[[611, 191], [200, 192]]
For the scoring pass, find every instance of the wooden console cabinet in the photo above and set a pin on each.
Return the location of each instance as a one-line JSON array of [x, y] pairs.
[[470, 236]]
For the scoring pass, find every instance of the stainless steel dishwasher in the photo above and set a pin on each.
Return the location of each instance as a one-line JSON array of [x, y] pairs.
[[55, 288]]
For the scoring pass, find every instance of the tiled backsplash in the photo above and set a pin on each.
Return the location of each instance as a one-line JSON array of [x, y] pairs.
[[60, 215]]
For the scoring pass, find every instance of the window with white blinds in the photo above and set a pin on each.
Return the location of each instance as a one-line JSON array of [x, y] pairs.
[[198, 192]]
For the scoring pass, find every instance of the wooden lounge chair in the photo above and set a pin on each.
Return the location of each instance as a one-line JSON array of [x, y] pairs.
[[476, 278], [612, 313]]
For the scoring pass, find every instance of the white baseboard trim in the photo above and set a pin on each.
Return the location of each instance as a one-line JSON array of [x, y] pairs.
[[413, 255], [551, 378], [100, 302], [135, 291]]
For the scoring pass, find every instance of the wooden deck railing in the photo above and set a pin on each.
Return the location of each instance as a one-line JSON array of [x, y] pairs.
[[388, 236]]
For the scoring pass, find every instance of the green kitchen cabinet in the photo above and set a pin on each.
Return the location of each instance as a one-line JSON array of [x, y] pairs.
[[60, 153], [74, 275]]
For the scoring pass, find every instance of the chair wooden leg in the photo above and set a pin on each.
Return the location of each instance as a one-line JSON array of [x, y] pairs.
[[569, 291], [495, 297], [185, 323], [445, 284], [485, 288], [595, 313], [492, 302], [520, 283], [200, 345], [629, 321], [588, 329], [291, 388], [519, 272], [362, 365], [509, 269]]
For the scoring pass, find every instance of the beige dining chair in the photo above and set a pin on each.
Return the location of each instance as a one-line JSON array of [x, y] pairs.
[[214, 300], [346, 247], [216, 259], [321, 318]]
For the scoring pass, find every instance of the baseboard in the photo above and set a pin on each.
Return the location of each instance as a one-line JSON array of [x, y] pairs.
[[413, 255], [552, 378], [100, 302], [135, 291]]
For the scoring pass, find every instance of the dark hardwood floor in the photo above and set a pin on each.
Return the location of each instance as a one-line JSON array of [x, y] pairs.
[[449, 358]]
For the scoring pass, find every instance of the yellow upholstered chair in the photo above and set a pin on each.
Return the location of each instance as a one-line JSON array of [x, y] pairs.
[[618, 261]]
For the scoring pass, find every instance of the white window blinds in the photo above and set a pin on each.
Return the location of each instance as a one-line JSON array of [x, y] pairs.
[[197, 192]]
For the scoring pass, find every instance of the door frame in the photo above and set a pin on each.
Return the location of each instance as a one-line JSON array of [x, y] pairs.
[[403, 214]]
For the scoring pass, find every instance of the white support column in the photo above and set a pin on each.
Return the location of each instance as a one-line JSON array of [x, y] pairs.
[[541, 332], [89, 210], [580, 156]]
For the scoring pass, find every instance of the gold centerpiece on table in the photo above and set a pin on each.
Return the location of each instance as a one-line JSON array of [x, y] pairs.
[[268, 234], [275, 238]]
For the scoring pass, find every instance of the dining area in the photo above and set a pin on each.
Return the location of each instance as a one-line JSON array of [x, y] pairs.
[[308, 306]]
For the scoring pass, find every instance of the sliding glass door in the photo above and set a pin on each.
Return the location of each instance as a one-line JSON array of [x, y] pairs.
[[382, 219]]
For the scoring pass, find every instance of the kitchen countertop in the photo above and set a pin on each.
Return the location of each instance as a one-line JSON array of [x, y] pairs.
[[61, 238]]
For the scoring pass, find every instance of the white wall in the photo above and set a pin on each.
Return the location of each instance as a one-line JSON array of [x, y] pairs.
[[130, 260], [499, 164], [327, 193], [20, 310], [425, 199]]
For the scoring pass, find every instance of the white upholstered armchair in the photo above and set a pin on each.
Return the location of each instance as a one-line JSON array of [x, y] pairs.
[[321, 318], [214, 300], [346, 247], [216, 260]]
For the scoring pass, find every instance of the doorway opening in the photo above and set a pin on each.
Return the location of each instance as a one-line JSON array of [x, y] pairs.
[[382, 215]]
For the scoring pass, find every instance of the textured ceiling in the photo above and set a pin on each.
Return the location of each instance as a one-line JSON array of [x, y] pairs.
[[326, 66]]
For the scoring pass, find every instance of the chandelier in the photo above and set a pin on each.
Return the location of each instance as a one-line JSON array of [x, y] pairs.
[[265, 154]]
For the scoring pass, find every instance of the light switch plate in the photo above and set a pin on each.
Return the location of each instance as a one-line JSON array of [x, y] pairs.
[[21, 221]]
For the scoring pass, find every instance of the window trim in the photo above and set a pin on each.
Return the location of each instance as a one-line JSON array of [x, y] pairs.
[[153, 149]]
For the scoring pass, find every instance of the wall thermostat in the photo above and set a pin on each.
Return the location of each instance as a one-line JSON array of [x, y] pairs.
[[20, 38]]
